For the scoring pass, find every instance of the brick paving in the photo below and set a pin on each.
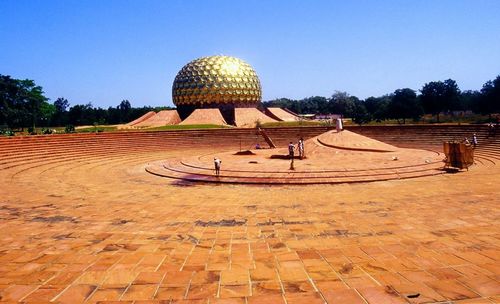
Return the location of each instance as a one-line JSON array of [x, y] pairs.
[[100, 229]]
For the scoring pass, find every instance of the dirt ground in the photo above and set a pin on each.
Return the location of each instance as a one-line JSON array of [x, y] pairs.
[[103, 230]]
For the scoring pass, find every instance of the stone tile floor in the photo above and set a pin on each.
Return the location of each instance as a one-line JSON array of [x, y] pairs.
[[101, 231]]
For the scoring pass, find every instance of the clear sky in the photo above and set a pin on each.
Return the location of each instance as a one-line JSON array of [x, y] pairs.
[[104, 51]]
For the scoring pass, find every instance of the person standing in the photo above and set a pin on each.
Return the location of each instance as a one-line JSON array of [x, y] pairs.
[[291, 150], [491, 129], [474, 140], [301, 148], [217, 163]]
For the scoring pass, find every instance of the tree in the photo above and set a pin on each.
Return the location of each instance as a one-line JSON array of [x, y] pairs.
[[377, 107], [33, 98], [60, 117], [124, 109], [100, 116], [470, 100], [452, 95], [61, 104], [341, 103], [490, 99], [360, 115], [20, 102], [81, 114], [47, 112], [438, 96], [10, 105], [314, 104], [404, 104], [432, 97]]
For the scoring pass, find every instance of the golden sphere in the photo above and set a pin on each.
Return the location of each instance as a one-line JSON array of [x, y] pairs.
[[216, 80]]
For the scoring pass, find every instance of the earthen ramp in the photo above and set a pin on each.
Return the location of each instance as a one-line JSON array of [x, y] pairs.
[[283, 114], [248, 117], [142, 118], [348, 140], [162, 118], [205, 117]]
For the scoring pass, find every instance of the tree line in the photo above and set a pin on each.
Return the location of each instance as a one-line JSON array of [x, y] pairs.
[[23, 104], [433, 98]]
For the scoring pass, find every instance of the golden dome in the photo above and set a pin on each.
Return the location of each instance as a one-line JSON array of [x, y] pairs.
[[216, 80]]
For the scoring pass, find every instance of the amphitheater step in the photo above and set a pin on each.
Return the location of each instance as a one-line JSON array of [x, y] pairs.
[[181, 171]]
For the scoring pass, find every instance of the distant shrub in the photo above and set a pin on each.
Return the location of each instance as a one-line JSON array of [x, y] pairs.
[[69, 129], [4, 130], [31, 131]]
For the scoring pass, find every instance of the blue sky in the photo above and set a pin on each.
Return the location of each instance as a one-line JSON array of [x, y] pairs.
[[108, 50]]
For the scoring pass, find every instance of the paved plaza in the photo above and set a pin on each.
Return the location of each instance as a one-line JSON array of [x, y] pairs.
[[101, 229]]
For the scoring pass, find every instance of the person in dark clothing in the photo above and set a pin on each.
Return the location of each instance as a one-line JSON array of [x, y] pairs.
[[291, 150]]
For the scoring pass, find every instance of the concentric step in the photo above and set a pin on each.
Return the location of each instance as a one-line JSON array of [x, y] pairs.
[[178, 169], [331, 158]]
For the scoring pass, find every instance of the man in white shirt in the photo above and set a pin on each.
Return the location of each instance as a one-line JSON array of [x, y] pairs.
[[217, 163]]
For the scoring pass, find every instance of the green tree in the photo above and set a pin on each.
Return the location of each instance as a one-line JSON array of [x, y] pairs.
[[81, 115], [404, 105], [490, 99], [33, 98], [341, 103], [452, 95], [124, 109], [432, 97], [377, 107], [360, 115], [11, 107], [60, 117], [314, 104], [470, 100], [439, 96], [20, 102], [47, 112]]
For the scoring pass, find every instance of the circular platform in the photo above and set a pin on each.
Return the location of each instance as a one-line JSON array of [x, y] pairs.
[[331, 158]]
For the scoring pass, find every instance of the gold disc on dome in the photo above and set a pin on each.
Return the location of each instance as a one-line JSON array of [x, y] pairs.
[[215, 79]]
